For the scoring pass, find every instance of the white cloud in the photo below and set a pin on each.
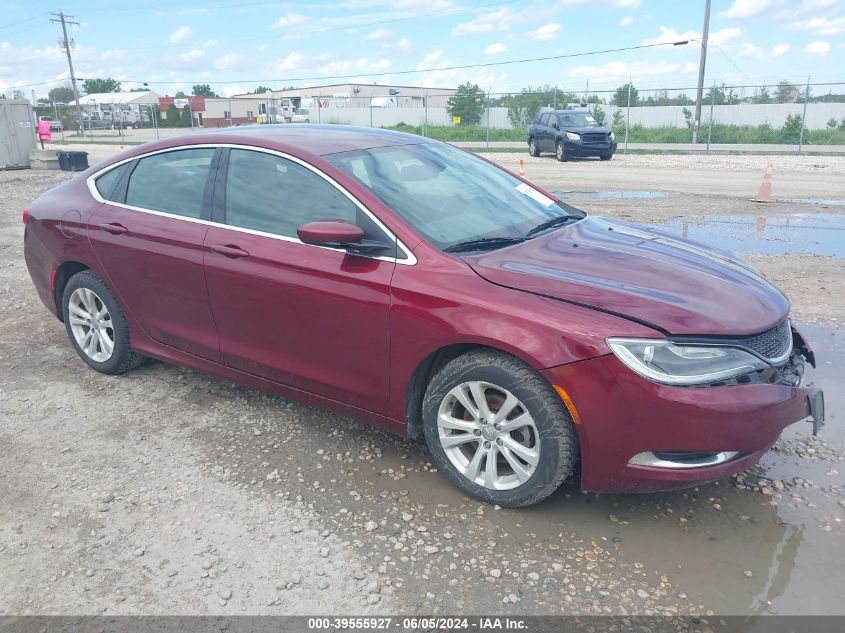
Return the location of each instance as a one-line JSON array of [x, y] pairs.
[[615, 71], [741, 9], [192, 55], [627, 4], [287, 63], [495, 49], [626, 21], [378, 34], [498, 20], [430, 59], [291, 19], [690, 67], [181, 34], [231, 61], [719, 38], [547, 31], [824, 26], [403, 46], [780, 49], [818, 48], [114, 54], [751, 50]]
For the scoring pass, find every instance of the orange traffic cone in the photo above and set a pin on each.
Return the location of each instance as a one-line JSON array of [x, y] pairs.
[[764, 194], [522, 167]]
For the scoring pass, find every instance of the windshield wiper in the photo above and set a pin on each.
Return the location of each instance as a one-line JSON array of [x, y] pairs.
[[483, 244], [548, 224]]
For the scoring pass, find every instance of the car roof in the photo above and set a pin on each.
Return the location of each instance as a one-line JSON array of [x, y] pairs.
[[315, 138]]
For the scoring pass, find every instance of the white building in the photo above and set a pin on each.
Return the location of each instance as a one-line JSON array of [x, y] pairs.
[[357, 95]]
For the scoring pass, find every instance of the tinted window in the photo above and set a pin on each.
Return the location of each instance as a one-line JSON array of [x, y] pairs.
[[107, 183], [544, 119], [268, 193], [172, 182]]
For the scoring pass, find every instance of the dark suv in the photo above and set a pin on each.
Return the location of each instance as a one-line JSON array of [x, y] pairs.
[[570, 133]]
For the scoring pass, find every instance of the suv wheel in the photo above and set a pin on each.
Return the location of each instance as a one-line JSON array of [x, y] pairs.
[[560, 152], [498, 430], [96, 326], [606, 156], [532, 148]]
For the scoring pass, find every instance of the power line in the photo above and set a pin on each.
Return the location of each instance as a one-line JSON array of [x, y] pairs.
[[425, 70], [30, 19]]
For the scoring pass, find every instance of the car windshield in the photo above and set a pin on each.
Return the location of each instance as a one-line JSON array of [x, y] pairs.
[[577, 119], [452, 197]]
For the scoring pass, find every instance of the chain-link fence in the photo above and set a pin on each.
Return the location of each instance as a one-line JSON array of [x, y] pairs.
[[784, 114]]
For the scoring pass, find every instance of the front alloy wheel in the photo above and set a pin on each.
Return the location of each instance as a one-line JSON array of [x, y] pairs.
[[498, 430], [560, 152], [488, 435]]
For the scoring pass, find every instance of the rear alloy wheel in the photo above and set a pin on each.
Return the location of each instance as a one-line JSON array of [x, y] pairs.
[[498, 429], [560, 152], [96, 326], [532, 148]]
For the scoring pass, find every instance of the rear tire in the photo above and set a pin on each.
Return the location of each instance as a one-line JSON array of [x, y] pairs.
[[533, 150], [560, 152], [96, 325], [606, 156], [517, 448]]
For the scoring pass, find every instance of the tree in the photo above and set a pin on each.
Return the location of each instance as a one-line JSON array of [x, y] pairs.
[[95, 86], [523, 107], [467, 103], [761, 95], [203, 90], [185, 117], [598, 113], [791, 130], [262, 89], [785, 92], [620, 97], [618, 120], [171, 116], [721, 95], [62, 94]]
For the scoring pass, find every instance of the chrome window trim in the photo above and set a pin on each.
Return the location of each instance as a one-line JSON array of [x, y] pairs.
[[410, 258]]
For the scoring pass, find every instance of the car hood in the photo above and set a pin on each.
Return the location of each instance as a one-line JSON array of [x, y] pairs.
[[673, 284], [584, 129]]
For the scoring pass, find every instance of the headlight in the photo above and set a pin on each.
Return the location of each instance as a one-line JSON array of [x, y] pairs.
[[612, 137], [662, 361], [572, 136]]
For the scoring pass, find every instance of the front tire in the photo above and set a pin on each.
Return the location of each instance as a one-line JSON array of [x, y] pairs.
[[498, 430], [96, 325], [560, 152], [533, 150]]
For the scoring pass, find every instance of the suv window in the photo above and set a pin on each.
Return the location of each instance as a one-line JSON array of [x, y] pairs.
[[173, 182], [275, 195], [544, 119], [107, 183]]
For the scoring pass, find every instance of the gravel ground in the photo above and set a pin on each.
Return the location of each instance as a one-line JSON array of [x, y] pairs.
[[170, 491]]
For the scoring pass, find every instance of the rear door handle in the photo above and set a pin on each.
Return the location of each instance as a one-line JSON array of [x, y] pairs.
[[229, 250], [114, 228]]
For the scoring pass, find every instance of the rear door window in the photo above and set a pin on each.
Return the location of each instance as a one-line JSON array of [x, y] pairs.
[[107, 183], [171, 182]]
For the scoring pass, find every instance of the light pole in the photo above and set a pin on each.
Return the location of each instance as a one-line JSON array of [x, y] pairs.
[[702, 63]]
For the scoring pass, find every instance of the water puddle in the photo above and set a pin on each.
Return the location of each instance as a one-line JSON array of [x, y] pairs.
[[824, 202], [816, 233], [604, 195]]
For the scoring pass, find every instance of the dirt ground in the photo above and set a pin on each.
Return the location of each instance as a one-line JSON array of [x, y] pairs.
[[169, 491]]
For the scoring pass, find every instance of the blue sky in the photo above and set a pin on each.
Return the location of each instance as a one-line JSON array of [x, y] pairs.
[[234, 46]]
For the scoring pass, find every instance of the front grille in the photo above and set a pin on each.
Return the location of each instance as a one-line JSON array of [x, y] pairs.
[[594, 137], [772, 343]]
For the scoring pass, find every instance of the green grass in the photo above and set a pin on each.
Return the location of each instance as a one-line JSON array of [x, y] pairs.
[[721, 133]]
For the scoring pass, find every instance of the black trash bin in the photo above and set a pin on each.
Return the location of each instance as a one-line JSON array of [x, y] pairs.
[[73, 161]]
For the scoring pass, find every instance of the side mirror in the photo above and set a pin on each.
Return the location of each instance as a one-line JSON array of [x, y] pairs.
[[330, 233]]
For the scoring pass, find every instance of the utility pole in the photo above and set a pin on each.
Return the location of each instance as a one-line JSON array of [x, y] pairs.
[[66, 45], [701, 66]]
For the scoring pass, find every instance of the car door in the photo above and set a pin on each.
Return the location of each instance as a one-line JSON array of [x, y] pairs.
[[148, 236], [309, 317]]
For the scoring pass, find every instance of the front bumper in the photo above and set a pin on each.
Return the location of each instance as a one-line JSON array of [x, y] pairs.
[[579, 148], [623, 415]]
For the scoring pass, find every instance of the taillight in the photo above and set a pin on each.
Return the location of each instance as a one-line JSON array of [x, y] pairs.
[[25, 216]]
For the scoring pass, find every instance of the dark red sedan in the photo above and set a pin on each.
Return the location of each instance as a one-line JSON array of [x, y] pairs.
[[420, 288]]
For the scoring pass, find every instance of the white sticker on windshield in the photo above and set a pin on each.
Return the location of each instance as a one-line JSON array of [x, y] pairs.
[[532, 193]]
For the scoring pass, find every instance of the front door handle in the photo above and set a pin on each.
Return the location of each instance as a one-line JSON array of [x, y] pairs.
[[229, 250], [114, 228]]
